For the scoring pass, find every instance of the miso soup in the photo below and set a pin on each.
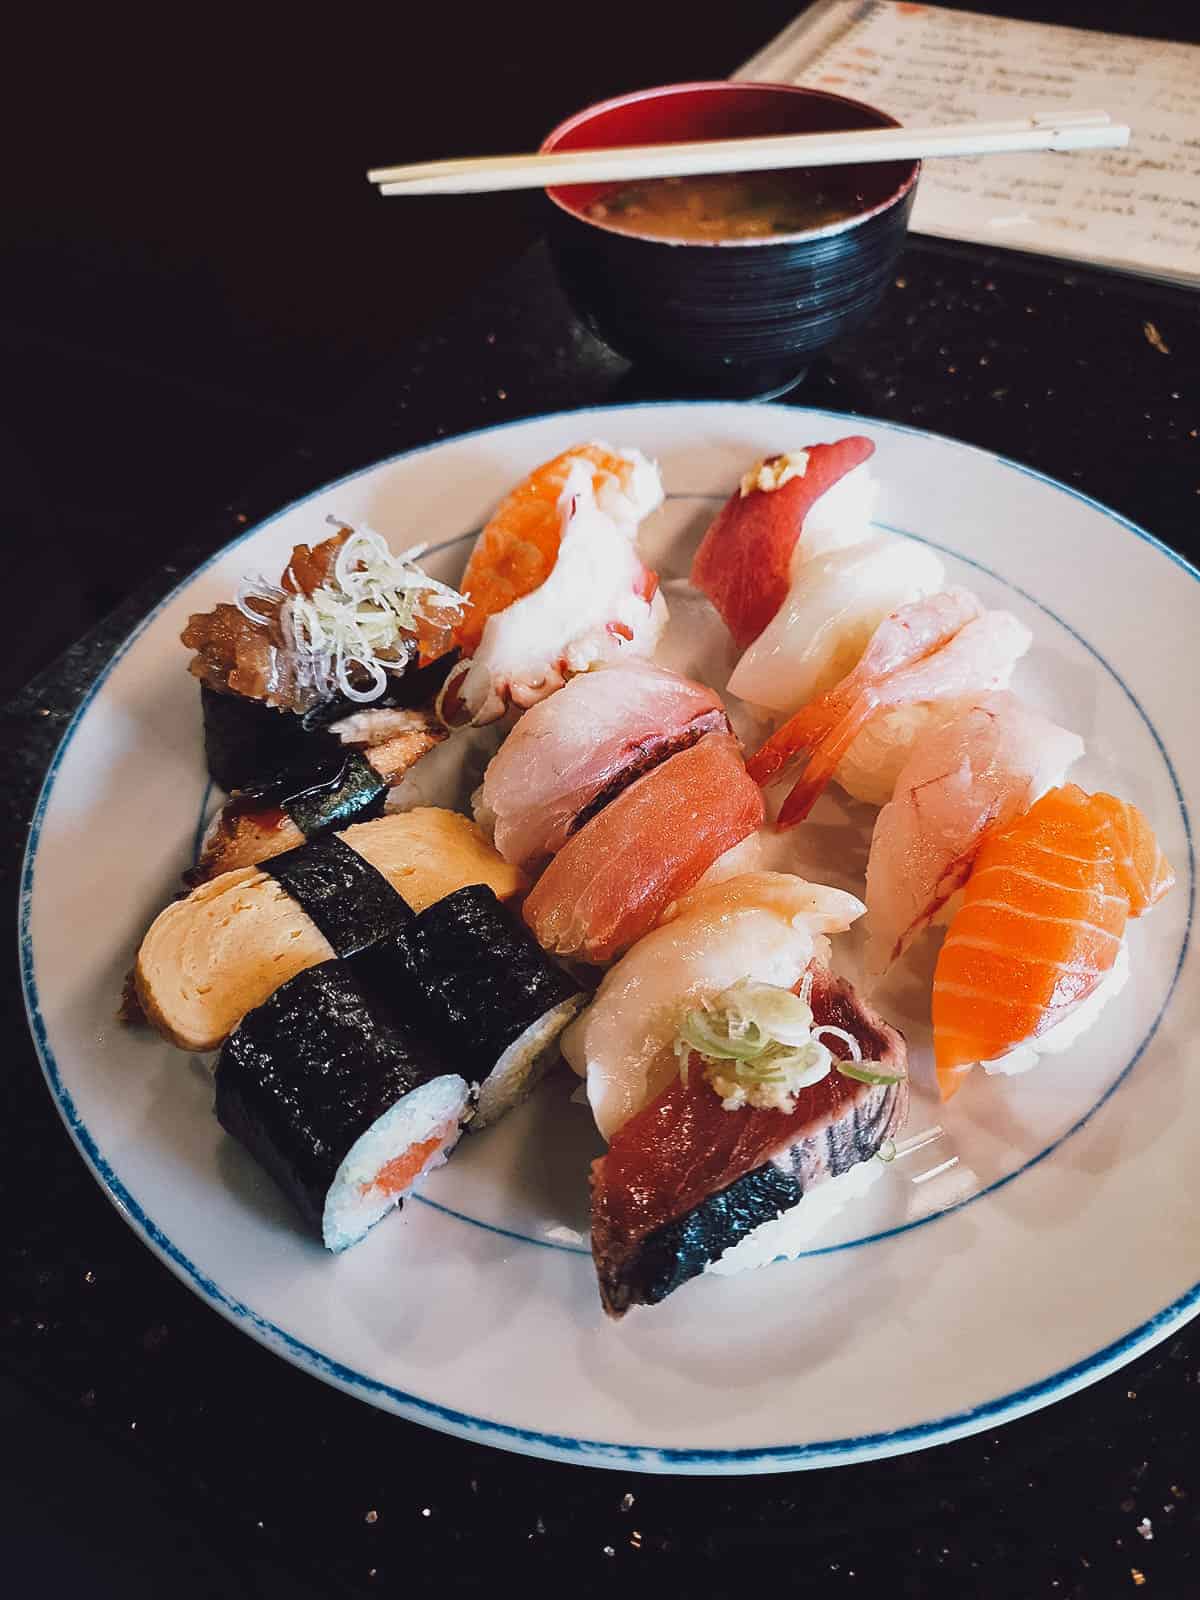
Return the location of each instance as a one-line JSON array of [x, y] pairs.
[[727, 205]]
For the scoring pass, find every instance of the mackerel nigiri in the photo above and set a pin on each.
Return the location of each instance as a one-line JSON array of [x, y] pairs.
[[742, 1087], [613, 879], [961, 782], [690, 1186], [1039, 933], [571, 754]]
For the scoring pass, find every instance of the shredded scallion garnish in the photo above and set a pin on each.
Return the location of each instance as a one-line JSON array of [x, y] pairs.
[[758, 1046], [350, 633]]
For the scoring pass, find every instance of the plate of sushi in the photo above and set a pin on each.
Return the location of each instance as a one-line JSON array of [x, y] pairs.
[[654, 937]]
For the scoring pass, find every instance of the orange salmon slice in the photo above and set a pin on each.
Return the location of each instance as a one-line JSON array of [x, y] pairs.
[[1042, 919]]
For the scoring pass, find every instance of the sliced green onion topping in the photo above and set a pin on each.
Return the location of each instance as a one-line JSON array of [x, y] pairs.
[[759, 1047], [864, 1072]]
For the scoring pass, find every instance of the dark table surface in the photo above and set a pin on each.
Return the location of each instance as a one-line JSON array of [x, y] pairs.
[[206, 314]]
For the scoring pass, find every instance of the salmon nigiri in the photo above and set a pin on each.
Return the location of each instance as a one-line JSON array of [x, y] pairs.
[[613, 879], [744, 562], [933, 650], [1037, 944]]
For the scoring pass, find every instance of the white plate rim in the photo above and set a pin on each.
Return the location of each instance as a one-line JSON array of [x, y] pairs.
[[481, 1430]]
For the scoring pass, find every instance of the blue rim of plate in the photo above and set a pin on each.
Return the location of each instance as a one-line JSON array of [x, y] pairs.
[[482, 1430]]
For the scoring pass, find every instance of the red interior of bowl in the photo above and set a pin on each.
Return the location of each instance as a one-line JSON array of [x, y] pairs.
[[686, 112]]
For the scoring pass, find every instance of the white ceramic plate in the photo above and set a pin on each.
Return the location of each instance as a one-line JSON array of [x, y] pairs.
[[1064, 1240]]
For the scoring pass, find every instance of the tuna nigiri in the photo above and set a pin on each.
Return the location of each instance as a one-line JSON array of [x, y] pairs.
[[1040, 931], [934, 650], [570, 755], [764, 925], [961, 782], [615, 877], [597, 602], [744, 562], [701, 1180]]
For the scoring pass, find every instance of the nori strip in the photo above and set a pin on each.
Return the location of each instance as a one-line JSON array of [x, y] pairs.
[[351, 902], [247, 743], [356, 794], [352, 791], [479, 976], [308, 1072]]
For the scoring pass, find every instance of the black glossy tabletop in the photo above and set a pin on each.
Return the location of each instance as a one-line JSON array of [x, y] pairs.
[[205, 313]]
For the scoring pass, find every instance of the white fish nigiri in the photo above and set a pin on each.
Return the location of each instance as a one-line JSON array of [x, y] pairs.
[[599, 604], [974, 774], [762, 925], [566, 753], [834, 605]]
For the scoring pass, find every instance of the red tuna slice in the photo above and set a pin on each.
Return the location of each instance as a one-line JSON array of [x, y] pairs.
[[744, 561], [612, 880], [684, 1180]]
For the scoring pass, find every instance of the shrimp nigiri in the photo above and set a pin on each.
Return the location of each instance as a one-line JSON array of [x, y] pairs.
[[1037, 944], [744, 561], [585, 600], [934, 650], [962, 781]]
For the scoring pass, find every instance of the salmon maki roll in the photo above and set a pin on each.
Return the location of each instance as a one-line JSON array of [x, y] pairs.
[[1037, 946], [345, 1105], [613, 879]]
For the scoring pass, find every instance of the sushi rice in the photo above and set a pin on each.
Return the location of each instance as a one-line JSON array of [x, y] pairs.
[[786, 1235], [1064, 1034], [360, 1194], [523, 1065]]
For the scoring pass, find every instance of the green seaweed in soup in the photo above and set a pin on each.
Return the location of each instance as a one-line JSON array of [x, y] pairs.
[[727, 205]]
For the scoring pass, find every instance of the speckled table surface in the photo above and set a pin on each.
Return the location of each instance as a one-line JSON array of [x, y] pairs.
[[154, 1449]]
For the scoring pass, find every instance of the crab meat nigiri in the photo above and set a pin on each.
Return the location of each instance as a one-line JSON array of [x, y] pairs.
[[1038, 937], [763, 925], [744, 562], [584, 597], [571, 754], [961, 782], [613, 879], [934, 650]]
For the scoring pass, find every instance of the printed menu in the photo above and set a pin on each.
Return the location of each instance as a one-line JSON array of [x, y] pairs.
[[1137, 208]]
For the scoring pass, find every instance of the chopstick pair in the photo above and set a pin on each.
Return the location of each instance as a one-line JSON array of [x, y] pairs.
[[1046, 130]]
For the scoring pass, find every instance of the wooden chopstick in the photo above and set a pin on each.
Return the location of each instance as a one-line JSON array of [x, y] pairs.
[[1047, 130]]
